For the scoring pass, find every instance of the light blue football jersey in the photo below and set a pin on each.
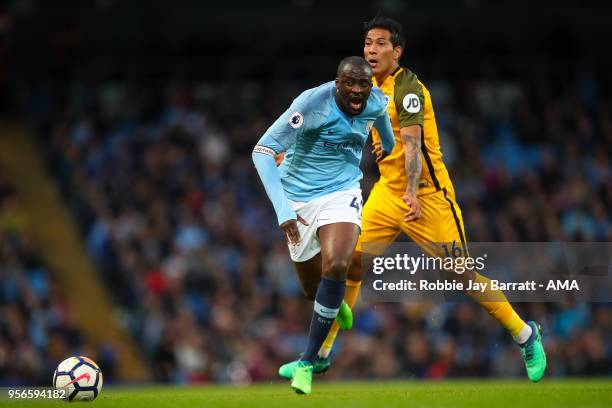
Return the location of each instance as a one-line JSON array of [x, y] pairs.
[[322, 144]]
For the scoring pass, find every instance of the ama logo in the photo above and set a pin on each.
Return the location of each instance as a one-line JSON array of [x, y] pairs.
[[411, 103]]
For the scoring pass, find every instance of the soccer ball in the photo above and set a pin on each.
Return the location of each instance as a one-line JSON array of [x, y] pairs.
[[80, 377]]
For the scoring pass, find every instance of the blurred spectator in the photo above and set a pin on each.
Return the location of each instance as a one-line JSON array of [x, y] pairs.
[[36, 329]]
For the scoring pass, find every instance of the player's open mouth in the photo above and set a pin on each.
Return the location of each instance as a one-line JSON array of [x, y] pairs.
[[355, 103], [373, 62]]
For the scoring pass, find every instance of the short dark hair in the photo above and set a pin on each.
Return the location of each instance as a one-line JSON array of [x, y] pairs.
[[389, 24], [354, 61]]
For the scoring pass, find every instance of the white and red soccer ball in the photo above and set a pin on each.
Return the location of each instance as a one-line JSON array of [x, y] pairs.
[[80, 377]]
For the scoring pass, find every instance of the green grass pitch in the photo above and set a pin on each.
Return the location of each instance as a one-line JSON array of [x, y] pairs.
[[412, 394]]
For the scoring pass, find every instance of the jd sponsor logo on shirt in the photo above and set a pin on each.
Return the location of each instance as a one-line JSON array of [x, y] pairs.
[[411, 103]]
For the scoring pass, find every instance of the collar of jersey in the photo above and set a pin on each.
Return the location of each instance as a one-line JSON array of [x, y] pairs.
[[390, 77]]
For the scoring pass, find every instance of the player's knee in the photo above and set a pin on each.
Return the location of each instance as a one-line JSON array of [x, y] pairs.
[[336, 269], [354, 270]]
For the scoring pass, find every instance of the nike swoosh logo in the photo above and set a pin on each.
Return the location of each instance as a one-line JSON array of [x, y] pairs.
[[79, 378]]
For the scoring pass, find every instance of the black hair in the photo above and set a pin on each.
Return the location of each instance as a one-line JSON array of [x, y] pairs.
[[389, 24], [354, 61]]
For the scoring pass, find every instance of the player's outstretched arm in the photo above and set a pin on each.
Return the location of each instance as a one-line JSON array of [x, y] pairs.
[[278, 138], [264, 160], [411, 139]]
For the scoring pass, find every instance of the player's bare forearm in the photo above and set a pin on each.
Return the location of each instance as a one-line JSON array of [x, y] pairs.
[[411, 139]]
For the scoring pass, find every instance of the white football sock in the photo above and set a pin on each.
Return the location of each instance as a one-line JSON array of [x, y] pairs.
[[324, 352], [523, 335]]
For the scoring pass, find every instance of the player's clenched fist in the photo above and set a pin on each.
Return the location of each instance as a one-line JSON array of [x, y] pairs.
[[290, 229]]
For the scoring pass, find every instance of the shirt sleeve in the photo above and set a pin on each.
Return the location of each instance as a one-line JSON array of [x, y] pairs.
[[263, 158], [383, 125], [278, 138], [289, 126], [409, 101]]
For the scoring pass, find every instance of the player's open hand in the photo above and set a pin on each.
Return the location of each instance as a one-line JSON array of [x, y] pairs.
[[411, 200], [379, 152], [291, 231], [381, 156]]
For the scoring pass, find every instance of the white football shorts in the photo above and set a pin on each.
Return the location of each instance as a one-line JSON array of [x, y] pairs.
[[341, 206]]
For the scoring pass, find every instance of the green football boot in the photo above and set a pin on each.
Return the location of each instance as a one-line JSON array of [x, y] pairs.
[[302, 378], [319, 366], [345, 317], [533, 354]]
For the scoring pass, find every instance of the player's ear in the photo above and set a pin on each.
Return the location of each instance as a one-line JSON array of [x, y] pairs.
[[397, 52]]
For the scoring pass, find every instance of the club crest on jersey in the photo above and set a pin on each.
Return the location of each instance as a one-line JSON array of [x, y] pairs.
[[387, 99], [411, 103], [296, 120], [369, 125]]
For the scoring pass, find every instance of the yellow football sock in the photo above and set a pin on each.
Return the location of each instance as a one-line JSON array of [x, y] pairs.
[[496, 303], [350, 297]]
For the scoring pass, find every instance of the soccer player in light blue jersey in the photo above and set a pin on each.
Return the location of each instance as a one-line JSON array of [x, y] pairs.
[[315, 191]]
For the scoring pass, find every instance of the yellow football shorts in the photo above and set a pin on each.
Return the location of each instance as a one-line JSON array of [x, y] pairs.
[[440, 222]]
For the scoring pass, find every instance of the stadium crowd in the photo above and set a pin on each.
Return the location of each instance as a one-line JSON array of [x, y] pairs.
[[36, 330], [161, 181]]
